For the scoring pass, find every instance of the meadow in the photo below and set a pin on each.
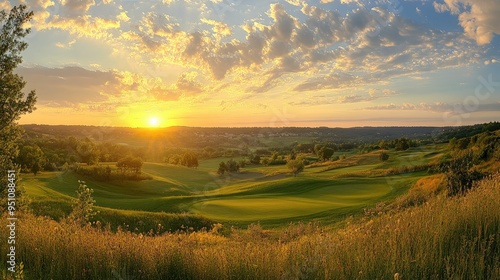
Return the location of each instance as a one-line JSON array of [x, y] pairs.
[[441, 239], [268, 195], [355, 217]]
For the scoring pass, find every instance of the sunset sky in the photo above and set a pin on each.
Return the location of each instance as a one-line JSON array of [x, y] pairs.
[[336, 63]]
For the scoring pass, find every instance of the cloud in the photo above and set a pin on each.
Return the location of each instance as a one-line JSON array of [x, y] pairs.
[[454, 109], [186, 85], [65, 46], [362, 96], [284, 23], [219, 28], [317, 49], [77, 7], [5, 5], [440, 8], [76, 87], [68, 86], [479, 18], [374, 43], [491, 61], [294, 2]]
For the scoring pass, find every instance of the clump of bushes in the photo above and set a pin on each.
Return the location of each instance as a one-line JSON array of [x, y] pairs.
[[128, 168]]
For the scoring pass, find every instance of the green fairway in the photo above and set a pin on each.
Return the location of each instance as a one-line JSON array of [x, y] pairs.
[[291, 198], [266, 194]]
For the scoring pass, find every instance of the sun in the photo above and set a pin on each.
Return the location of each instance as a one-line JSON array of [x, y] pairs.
[[154, 121]]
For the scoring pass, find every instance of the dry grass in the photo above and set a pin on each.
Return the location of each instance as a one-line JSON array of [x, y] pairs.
[[444, 238], [423, 190]]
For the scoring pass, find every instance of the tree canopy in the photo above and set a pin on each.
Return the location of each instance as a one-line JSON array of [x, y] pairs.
[[13, 101]]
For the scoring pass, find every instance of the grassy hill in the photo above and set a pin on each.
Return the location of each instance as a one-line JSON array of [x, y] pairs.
[[269, 195], [354, 218], [442, 239]]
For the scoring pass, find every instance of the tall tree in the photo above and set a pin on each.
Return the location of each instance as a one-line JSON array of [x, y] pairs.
[[13, 102], [12, 99], [31, 158]]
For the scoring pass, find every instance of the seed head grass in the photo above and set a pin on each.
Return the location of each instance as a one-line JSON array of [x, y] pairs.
[[441, 238]]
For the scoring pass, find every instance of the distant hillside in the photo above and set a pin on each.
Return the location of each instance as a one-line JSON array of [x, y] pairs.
[[195, 136]]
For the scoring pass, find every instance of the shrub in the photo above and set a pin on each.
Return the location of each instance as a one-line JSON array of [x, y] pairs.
[[296, 166], [83, 209], [384, 156], [460, 174]]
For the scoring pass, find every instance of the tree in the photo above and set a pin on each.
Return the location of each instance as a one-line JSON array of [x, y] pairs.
[[232, 166], [88, 152], [31, 158], [130, 163], [222, 168], [189, 159], [254, 159], [325, 153], [13, 102], [383, 156], [274, 157], [83, 210], [402, 144], [296, 166], [317, 148]]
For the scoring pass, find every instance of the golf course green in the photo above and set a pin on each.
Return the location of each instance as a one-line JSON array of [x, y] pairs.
[[268, 195]]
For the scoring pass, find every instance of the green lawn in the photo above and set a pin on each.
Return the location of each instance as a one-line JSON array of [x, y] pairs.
[[265, 194]]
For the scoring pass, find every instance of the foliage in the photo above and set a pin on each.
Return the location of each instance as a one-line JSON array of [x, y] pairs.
[[13, 102], [222, 168], [254, 159], [276, 159], [296, 166], [106, 173], [31, 159], [401, 144], [12, 32], [130, 164], [468, 131], [325, 153], [384, 156], [88, 152], [460, 174], [185, 158], [83, 210], [189, 159], [231, 166]]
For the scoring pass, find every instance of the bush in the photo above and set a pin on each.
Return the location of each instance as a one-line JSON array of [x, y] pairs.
[[460, 174], [83, 209], [106, 173], [130, 164], [296, 166], [383, 156]]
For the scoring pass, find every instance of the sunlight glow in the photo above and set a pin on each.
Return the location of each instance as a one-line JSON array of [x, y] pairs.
[[154, 122]]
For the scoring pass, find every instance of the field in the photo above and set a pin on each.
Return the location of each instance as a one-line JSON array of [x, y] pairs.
[[441, 239], [268, 195], [356, 217]]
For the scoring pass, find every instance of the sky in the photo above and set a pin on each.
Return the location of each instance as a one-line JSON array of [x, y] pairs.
[[334, 63]]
